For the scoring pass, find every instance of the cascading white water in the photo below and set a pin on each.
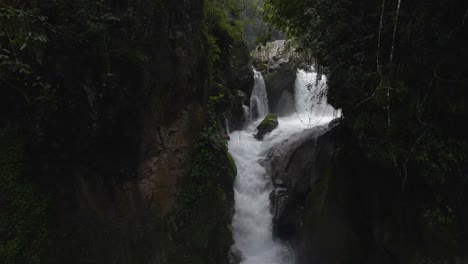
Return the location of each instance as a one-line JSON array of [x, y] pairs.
[[246, 117], [252, 222], [311, 103], [259, 99]]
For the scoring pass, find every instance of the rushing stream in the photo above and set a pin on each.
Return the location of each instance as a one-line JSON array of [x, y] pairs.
[[252, 222]]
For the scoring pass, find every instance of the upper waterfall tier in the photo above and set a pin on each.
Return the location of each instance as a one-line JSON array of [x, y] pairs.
[[259, 100]]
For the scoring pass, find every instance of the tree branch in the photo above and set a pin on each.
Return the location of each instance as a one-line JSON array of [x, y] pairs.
[[365, 100], [408, 157], [234, 9], [395, 30], [380, 34], [464, 18]]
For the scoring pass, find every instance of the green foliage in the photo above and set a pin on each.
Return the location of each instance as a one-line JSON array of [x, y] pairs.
[[23, 208], [66, 68], [218, 19], [264, 38], [443, 159], [257, 30], [442, 162], [407, 110], [438, 216], [23, 38], [210, 153], [221, 32], [39, 50], [84, 21], [397, 103], [204, 214], [49, 52], [232, 166]]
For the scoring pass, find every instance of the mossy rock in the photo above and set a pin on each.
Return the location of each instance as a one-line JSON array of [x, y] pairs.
[[266, 126], [232, 170]]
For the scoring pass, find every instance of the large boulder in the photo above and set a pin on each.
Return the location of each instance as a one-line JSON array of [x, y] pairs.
[[269, 123], [291, 165], [278, 62], [235, 256], [341, 221], [334, 205], [313, 200]]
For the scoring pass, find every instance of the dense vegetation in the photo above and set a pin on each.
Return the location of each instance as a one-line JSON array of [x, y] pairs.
[[203, 235], [80, 84], [398, 70], [85, 83]]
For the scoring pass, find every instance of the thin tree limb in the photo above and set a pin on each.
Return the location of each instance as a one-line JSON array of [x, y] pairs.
[[25, 96], [389, 121], [408, 157], [256, 8], [464, 18], [395, 27], [365, 100], [420, 106], [380, 34], [234, 9]]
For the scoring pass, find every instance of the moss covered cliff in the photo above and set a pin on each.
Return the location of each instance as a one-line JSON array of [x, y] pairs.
[[109, 104]]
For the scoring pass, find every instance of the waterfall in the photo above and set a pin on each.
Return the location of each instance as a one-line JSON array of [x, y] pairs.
[[252, 221], [246, 116], [259, 99], [311, 102]]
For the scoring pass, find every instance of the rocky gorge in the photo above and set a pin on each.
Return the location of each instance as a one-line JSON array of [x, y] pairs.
[[149, 132]]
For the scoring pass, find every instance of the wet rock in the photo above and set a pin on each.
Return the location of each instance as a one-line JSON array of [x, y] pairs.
[[278, 62], [266, 126], [292, 165], [277, 82], [232, 170], [236, 117], [286, 105], [235, 256]]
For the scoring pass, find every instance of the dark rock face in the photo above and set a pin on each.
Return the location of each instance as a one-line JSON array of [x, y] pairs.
[[124, 147], [269, 123], [335, 205], [234, 79], [319, 213], [277, 82], [240, 65], [292, 168], [236, 114], [286, 105], [334, 225], [240, 81]]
